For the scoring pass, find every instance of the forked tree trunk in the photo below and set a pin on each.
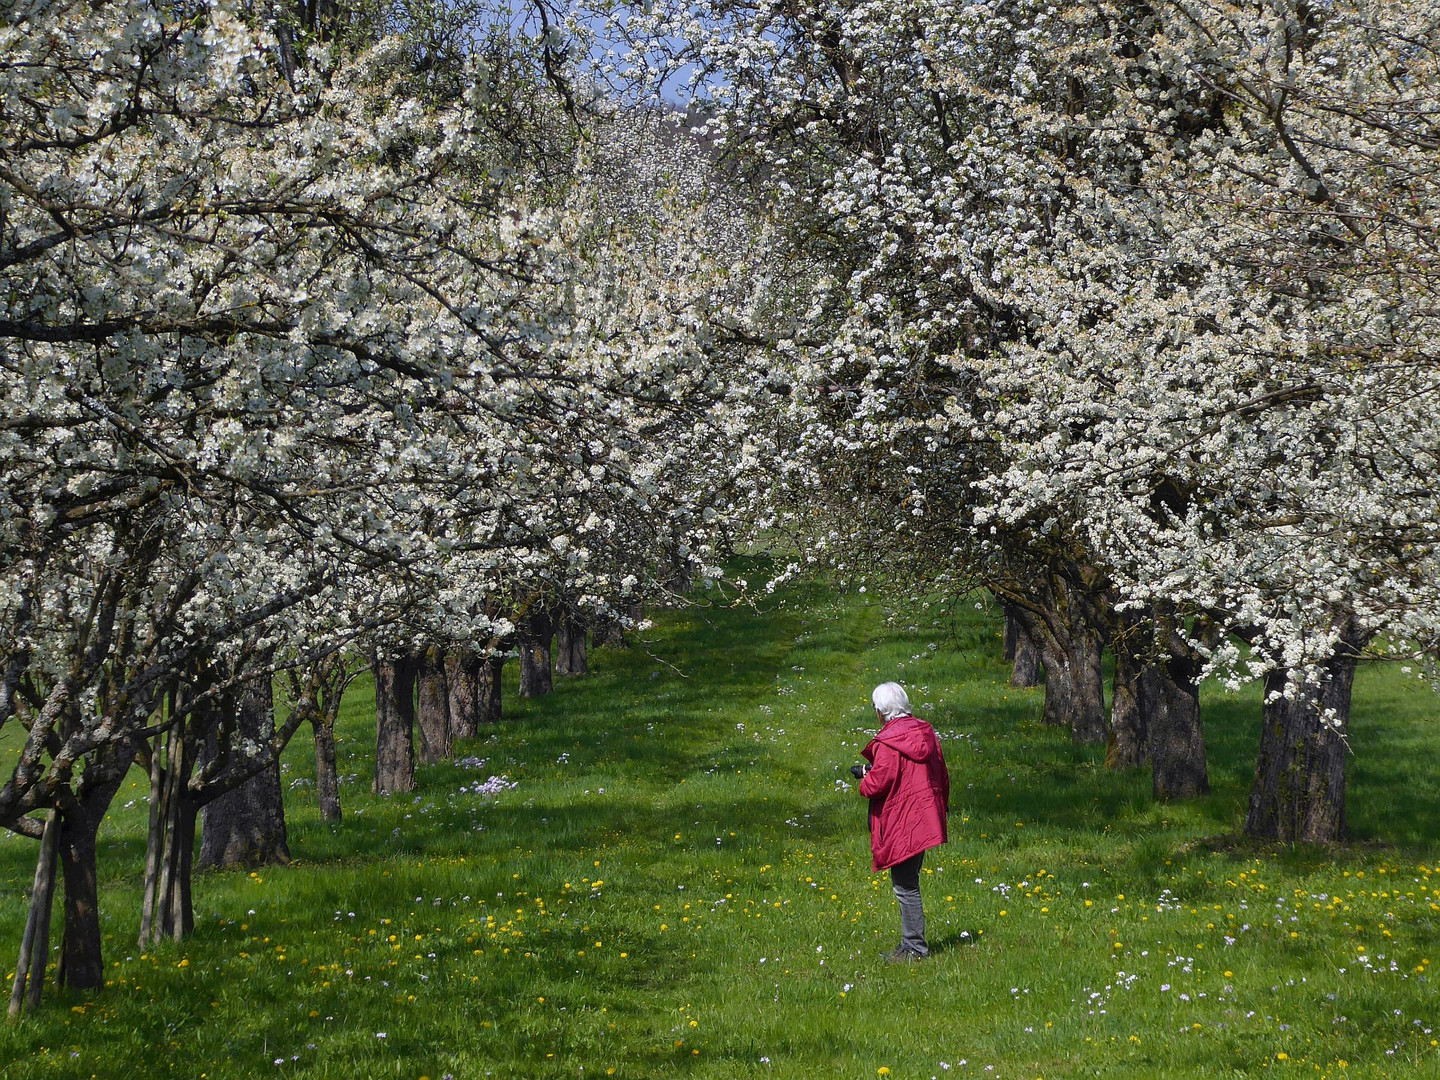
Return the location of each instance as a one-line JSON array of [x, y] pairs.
[[1169, 699], [245, 826], [570, 654], [1071, 651], [1128, 746], [327, 772], [433, 711], [335, 675], [462, 682], [35, 938], [535, 672], [1299, 791]]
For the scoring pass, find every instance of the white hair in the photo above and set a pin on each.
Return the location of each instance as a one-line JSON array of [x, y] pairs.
[[891, 700]]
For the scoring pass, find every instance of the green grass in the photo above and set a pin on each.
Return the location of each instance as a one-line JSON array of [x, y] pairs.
[[679, 886]]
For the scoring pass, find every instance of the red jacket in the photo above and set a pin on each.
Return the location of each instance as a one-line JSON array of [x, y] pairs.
[[909, 790]]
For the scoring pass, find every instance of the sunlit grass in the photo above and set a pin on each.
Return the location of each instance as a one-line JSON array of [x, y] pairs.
[[678, 884]]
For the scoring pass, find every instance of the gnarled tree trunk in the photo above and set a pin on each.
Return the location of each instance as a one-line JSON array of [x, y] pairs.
[[462, 682], [245, 826], [488, 689], [1299, 789], [1129, 743], [1020, 650], [433, 711], [570, 654], [1075, 686], [1170, 710], [1057, 616], [534, 636], [395, 725], [1169, 698]]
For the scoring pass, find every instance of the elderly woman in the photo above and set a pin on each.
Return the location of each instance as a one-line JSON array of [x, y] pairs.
[[909, 791]]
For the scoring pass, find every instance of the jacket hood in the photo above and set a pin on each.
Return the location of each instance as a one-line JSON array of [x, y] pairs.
[[910, 736]]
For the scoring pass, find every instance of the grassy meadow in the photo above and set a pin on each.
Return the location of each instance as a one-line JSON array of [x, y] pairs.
[[678, 885]]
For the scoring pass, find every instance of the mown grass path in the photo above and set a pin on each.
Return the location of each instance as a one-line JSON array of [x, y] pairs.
[[678, 885]]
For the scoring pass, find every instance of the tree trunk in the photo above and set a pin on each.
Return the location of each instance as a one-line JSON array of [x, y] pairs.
[[178, 904], [35, 939], [1128, 746], [680, 579], [245, 826], [153, 834], [327, 772], [1055, 616], [607, 631], [570, 655], [1299, 791], [462, 682], [1169, 700], [433, 712], [169, 851], [535, 674], [1020, 650], [395, 725], [82, 958], [1075, 687], [159, 920], [487, 692], [82, 961]]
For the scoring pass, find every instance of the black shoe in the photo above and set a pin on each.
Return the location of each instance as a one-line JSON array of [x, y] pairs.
[[902, 955]]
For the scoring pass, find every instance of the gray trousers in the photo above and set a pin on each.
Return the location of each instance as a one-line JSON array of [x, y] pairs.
[[905, 879]]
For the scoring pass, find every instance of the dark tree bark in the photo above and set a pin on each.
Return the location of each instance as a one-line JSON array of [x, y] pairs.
[[488, 689], [167, 910], [327, 681], [607, 631], [462, 681], [206, 718], [535, 632], [35, 938], [395, 725], [1299, 791], [1055, 614], [1020, 650], [1169, 698], [327, 772], [245, 826], [1129, 743], [570, 654], [680, 579], [433, 712], [82, 958], [1075, 686]]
